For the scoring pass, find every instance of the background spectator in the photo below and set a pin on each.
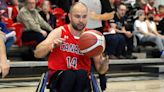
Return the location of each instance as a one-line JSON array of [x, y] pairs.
[[64, 4], [139, 4], [128, 36], [152, 26], [3, 5], [46, 14], [12, 9], [115, 42], [144, 34], [10, 36], [35, 27], [150, 8], [9, 40], [161, 19]]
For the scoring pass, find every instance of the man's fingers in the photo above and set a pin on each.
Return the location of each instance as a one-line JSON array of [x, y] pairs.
[[56, 43], [5, 69], [59, 41], [5, 72], [62, 39]]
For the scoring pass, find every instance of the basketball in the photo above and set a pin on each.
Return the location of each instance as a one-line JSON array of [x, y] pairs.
[[91, 43]]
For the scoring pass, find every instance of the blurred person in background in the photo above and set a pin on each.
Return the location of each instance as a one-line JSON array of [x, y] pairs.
[[65, 5], [120, 20], [150, 7], [46, 14], [139, 4], [12, 9], [36, 28], [160, 18], [152, 26], [10, 39], [143, 32]]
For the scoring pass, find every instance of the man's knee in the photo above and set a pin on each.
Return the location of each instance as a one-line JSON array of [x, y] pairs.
[[62, 80], [81, 77]]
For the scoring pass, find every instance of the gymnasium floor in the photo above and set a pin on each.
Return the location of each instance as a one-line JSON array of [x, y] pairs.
[[122, 84]]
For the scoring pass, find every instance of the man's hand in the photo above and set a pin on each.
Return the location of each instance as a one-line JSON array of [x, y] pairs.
[[128, 34], [56, 43], [4, 69], [44, 33], [105, 59]]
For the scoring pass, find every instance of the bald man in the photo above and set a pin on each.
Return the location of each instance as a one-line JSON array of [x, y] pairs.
[[4, 66], [68, 68]]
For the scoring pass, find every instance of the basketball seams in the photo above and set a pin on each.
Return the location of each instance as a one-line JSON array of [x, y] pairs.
[[100, 40], [84, 41], [91, 48], [99, 37]]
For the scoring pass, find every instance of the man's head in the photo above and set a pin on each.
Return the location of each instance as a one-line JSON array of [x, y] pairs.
[[46, 6], [121, 10], [15, 2], [30, 4], [151, 2], [78, 16], [161, 9]]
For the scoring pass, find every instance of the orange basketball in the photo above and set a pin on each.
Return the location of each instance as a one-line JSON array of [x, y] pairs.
[[91, 43]]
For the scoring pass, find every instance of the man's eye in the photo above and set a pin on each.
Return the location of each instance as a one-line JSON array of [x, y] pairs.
[[84, 16], [77, 16]]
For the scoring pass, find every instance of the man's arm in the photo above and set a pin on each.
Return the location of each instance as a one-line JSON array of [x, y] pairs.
[[104, 17], [53, 39], [4, 66], [101, 63], [124, 31]]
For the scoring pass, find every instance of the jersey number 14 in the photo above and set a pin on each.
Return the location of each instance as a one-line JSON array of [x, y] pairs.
[[71, 62]]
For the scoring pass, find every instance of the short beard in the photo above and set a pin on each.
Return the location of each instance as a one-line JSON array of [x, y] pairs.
[[76, 28]]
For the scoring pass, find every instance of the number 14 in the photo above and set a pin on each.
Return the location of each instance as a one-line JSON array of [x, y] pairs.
[[71, 62]]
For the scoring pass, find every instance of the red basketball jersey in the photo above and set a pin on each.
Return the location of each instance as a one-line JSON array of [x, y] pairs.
[[67, 55]]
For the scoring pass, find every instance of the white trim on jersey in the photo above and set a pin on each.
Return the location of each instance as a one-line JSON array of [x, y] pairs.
[[100, 41]]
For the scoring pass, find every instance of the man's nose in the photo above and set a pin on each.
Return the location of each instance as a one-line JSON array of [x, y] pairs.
[[81, 19]]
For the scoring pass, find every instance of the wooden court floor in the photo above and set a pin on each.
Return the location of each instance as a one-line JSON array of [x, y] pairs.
[[156, 85]]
